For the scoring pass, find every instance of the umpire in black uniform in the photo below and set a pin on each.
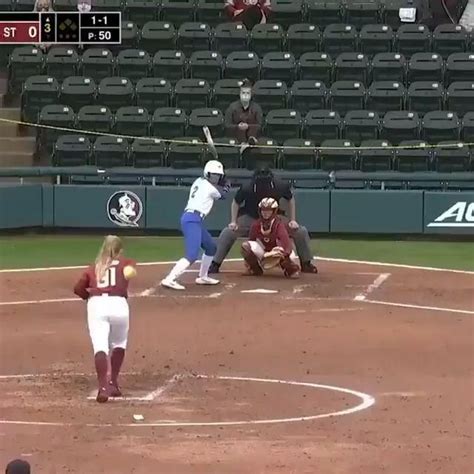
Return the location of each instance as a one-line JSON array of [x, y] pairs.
[[244, 212]]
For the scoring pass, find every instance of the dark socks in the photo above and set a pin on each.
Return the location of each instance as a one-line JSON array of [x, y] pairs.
[[101, 366], [116, 360]]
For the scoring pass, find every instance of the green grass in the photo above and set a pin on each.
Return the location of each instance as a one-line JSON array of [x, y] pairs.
[[45, 251]]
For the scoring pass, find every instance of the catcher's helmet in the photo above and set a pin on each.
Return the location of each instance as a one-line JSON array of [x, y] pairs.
[[268, 204]]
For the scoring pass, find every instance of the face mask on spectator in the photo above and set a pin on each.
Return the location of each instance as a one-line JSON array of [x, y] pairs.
[[245, 96], [84, 6]]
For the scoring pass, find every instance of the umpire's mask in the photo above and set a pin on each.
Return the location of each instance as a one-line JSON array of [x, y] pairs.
[[263, 182]]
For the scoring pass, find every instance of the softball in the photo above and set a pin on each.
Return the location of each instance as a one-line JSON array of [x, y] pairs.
[[129, 272]]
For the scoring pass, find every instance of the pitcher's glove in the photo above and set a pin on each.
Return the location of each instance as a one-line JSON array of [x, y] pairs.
[[273, 258]]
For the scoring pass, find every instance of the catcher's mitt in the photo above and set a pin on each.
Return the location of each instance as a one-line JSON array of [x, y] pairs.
[[272, 259]]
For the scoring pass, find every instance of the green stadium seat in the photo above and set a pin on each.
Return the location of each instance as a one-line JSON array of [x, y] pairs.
[[134, 64], [38, 91], [148, 153], [283, 124], [193, 37], [78, 91], [156, 35], [130, 34], [132, 121], [225, 92], [351, 67], [459, 67], [425, 67], [60, 116], [113, 92], [192, 94], [210, 117], [5, 53], [110, 152], [265, 155], [207, 65], [97, 63], [467, 131], [170, 65], [279, 66], [362, 12], [140, 12], [62, 62], [230, 37], [308, 95], [448, 39], [412, 38], [460, 97], [398, 126], [303, 38], [321, 125], [337, 155], [360, 125], [375, 155], [347, 95], [24, 5], [107, 5], [324, 12], [316, 67], [339, 38], [286, 12], [298, 154], [64, 5], [168, 122], [389, 67], [383, 96], [189, 152], [266, 38], [375, 39], [72, 150], [177, 11], [25, 61], [391, 12], [242, 64], [270, 94], [425, 96], [229, 156], [415, 157], [6, 5], [447, 159], [95, 118], [440, 126], [209, 11], [153, 93]]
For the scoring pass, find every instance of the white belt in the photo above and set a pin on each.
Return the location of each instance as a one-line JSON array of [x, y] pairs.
[[193, 211]]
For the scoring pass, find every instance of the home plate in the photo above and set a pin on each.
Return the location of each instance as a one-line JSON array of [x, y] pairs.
[[262, 291]]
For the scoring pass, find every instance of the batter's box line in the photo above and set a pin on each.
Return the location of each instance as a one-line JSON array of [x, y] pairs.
[[377, 283]]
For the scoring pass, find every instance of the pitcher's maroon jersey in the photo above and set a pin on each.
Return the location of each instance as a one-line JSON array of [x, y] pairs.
[[276, 236], [113, 284]]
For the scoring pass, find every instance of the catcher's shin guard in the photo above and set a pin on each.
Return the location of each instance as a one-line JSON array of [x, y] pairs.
[[289, 267], [250, 259]]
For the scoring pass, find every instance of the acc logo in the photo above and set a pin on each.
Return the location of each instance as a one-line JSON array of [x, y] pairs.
[[124, 208], [460, 214]]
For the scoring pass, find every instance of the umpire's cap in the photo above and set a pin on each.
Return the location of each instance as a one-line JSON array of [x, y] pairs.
[[18, 466]]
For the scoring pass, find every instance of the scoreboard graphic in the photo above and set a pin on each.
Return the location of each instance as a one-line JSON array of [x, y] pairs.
[[60, 27]]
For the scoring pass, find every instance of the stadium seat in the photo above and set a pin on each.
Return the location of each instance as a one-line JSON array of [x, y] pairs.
[[324, 12], [360, 125], [425, 96], [78, 91], [447, 159], [338, 38], [72, 150], [177, 11], [283, 124], [107, 5], [383, 96], [375, 39], [412, 38], [211, 117], [133, 64], [110, 152], [96, 118], [113, 92], [97, 63], [308, 95], [229, 156], [362, 12], [448, 39], [168, 122], [209, 12], [459, 67], [266, 38], [188, 153], [62, 5], [130, 33], [460, 97], [467, 131], [321, 125], [132, 120], [60, 116], [400, 126], [316, 67], [298, 154], [440, 126], [351, 67], [391, 12], [148, 153], [156, 35], [336, 155], [302, 38], [192, 94], [270, 94], [425, 67], [347, 95], [25, 61], [259, 157], [415, 157], [375, 155], [169, 65], [230, 37], [24, 5], [279, 66], [242, 64], [389, 67], [38, 91], [207, 65], [193, 36], [287, 12], [141, 11], [225, 92], [61, 62]]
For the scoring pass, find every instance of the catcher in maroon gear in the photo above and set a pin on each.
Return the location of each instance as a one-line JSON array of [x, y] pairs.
[[269, 243]]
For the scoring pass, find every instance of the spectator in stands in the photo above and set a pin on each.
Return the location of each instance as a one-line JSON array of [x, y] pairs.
[[43, 6], [440, 12], [467, 16], [18, 466], [248, 12], [84, 6], [243, 118]]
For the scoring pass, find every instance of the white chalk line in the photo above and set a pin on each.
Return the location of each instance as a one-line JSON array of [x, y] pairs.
[[416, 306], [56, 374], [377, 283], [320, 310]]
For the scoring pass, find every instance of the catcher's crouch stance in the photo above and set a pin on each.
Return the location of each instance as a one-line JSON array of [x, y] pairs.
[[269, 243]]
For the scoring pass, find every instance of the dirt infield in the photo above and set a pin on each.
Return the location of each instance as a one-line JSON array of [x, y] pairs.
[[360, 369]]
